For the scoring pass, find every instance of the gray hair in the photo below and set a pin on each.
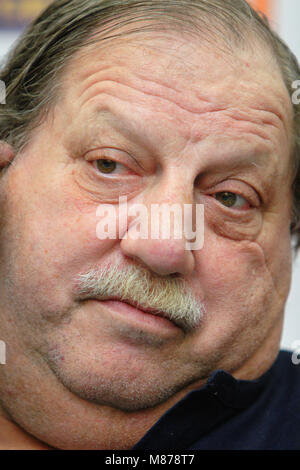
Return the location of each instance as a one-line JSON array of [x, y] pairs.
[[34, 66]]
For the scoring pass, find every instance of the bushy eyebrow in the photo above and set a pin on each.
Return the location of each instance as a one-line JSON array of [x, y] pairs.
[[258, 163], [106, 128], [129, 132], [133, 131], [125, 127]]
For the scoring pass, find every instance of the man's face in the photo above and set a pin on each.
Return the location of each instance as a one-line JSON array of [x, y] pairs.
[[185, 124]]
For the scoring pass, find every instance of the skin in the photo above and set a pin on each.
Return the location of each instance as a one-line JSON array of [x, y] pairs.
[[197, 122]]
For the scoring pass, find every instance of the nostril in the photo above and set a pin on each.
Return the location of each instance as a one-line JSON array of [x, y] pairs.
[[176, 275]]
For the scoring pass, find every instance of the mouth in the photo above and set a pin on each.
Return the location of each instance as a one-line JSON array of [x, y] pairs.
[[148, 311]]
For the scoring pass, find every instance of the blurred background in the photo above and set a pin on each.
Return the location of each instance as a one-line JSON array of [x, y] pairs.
[[284, 16]]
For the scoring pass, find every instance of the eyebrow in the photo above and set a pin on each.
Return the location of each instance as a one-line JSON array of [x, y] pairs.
[[123, 126], [124, 133], [234, 159]]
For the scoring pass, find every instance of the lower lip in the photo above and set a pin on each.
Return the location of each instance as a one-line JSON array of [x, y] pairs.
[[139, 317]]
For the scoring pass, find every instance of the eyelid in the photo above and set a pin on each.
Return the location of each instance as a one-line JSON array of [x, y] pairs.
[[113, 154], [240, 188], [108, 153]]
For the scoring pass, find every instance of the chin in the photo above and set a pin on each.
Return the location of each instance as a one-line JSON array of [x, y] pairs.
[[119, 392]]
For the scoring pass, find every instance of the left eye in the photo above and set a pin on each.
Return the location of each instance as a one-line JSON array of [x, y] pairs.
[[108, 166], [232, 200]]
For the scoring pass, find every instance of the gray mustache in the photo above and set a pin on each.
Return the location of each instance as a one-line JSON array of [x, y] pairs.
[[166, 296]]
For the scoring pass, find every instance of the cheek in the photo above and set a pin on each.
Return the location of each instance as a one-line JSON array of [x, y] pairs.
[[241, 298], [276, 240], [64, 247], [47, 241], [233, 272]]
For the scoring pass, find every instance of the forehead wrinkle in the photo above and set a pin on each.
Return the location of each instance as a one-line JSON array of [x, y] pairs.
[[262, 116], [217, 125], [141, 43], [171, 96], [119, 80], [272, 114], [212, 113], [156, 89], [133, 128]]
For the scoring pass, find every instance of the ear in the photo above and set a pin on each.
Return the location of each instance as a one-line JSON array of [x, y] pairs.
[[7, 154]]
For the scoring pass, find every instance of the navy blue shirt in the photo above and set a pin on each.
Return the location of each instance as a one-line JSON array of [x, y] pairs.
[[230, 414]]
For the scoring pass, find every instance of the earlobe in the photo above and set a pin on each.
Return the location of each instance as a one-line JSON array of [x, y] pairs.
[[7, 154]]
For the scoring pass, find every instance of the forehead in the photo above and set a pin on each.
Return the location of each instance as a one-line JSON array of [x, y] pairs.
[[183, 77]]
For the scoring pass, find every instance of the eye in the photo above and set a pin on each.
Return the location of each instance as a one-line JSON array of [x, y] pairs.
[[232, 200], [109, 167]]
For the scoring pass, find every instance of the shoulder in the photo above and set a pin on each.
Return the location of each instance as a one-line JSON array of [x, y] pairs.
[[286, 377], [288, 363]]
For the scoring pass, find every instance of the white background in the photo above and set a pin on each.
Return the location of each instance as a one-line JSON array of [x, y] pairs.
[[287, 15], [286, 21]]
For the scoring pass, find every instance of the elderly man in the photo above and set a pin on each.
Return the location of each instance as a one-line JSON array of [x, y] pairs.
[[133, 342]]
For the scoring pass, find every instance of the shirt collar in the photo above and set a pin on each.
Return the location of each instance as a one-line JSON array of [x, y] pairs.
[[222, 397]]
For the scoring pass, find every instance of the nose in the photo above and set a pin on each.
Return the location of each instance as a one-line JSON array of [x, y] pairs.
[[163, 255]]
